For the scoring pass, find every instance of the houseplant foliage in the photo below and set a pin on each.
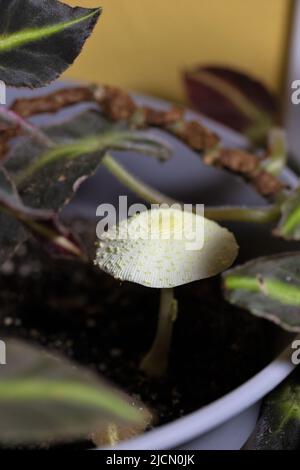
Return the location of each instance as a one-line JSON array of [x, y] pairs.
[[279, 425], [44, 398], [268, 287], [39, 40], [42, 169], [234, 98]]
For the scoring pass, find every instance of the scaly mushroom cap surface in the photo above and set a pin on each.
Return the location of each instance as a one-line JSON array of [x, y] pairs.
[[165, 248]]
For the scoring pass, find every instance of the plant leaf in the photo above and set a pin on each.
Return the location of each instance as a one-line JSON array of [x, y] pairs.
[[40, 39], [232, 98], [47, 398], [279, 425], [44, 225], [269, 288], [49, 177], [289, 224]]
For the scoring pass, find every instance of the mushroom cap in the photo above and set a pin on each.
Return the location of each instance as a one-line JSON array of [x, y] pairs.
[[165, 248]]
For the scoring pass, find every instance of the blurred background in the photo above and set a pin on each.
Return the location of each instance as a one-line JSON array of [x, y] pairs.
[[144, 44]]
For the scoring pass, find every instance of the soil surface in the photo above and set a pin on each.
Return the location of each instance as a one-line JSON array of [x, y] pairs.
[[95, 320]]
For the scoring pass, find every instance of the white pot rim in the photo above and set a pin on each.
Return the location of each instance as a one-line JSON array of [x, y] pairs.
[[215, 414]]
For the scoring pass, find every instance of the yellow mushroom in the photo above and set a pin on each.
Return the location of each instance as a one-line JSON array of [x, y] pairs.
[[164, 248]]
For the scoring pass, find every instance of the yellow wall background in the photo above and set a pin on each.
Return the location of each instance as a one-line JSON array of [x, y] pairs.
[[144, 44]]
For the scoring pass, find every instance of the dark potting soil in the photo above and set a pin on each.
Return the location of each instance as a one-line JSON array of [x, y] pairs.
[[93, 319]]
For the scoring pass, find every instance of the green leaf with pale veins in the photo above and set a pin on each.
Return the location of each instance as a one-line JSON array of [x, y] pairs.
[[44, 398], [269, 288], [278, 427], [40, 39], [43, 224], [49, 177], [289, 224]]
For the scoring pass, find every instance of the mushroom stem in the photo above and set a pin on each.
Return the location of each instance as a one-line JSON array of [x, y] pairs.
[[155, 362]]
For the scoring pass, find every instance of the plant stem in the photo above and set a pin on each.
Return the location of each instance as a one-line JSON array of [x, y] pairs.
[[155, 363], [238, 214], [277, 158], [12, 118], [258, 215], [134, 184]]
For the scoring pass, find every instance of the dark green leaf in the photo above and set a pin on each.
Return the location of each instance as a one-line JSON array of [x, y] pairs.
[[289, 224], [279, 425], [40, 39], [268, 287], [49, 178], [44, 225], [44, 398]]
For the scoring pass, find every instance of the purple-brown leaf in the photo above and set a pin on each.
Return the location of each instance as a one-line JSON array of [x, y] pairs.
[[233, 98]]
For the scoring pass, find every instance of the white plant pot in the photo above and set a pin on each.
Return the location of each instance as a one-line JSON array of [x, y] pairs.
[[227, 422]]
